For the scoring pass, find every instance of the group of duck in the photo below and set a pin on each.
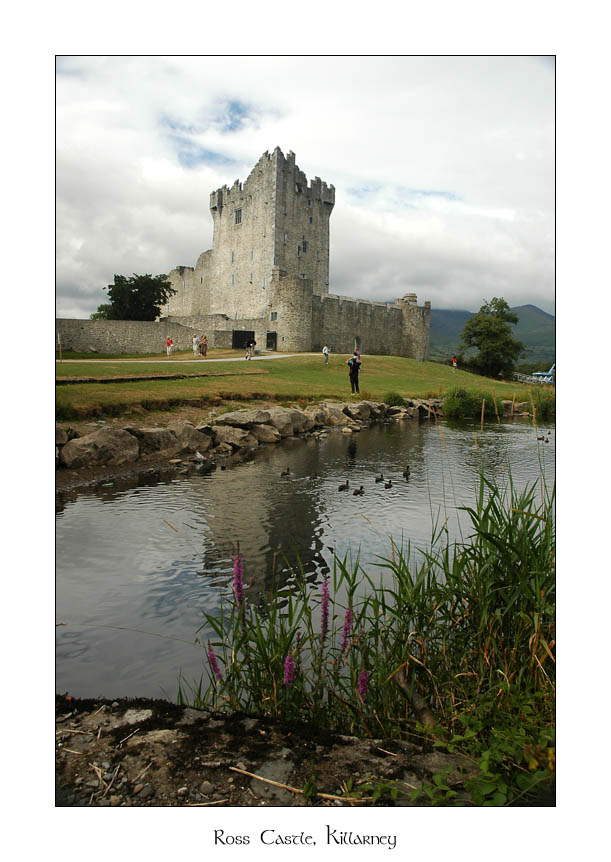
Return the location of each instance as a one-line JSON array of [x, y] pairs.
[[357, 492]]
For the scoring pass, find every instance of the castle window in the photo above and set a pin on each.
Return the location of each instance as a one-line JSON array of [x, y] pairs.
[[238, 216], [274, 315], [232, 256], [252, 254], [298, 188], [309, 202], [286, 237], [311, 220], [232, 279], [304, 245], [251, 277]]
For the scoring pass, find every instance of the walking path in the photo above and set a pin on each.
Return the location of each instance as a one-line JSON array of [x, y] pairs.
[[166, 361]]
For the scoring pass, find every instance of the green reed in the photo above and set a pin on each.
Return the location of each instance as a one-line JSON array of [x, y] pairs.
[[454, 644]]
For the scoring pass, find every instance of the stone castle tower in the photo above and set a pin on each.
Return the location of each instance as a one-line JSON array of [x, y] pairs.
[[273, 219], [267, 274]]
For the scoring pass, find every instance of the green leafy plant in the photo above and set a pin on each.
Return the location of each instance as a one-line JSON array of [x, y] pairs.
[[453, 647], [393, 399]]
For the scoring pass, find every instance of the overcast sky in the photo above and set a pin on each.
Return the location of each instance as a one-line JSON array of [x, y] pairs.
[[443, 168]]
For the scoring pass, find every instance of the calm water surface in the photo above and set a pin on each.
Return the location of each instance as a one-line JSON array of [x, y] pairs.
[[137, 565]]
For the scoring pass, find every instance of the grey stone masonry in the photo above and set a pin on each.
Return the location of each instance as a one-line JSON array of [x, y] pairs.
[[122, 336], [267, 274]]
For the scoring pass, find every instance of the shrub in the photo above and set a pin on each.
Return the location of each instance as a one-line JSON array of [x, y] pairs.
[[393, 399], [545, 404], [460, 403]]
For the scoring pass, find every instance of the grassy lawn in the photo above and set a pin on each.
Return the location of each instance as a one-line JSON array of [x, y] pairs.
[[285, 379]]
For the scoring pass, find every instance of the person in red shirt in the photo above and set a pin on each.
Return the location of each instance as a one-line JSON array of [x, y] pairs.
[[168, 345]]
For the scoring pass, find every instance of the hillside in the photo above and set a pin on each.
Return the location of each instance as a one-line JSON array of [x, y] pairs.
[[536, 328]]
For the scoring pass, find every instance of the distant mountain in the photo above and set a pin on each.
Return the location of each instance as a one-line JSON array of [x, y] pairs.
[[536, 328]]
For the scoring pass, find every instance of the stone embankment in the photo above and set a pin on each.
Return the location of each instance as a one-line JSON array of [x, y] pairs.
[[224, 436]]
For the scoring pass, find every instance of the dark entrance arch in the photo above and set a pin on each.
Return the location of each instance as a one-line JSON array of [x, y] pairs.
[[241, 337]]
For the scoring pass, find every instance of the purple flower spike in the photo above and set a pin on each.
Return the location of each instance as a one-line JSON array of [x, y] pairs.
[[347, 630], [324, 611], [289, 670], [363, 683], [238, 580], [214, 663]]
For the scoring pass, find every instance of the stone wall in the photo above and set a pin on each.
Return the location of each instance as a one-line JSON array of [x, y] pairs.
[[192, 286], [122, 336], [378, 328]]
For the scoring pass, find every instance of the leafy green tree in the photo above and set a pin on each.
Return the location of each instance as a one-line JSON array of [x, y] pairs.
[[102, 312], [489, 331], [137, 298]]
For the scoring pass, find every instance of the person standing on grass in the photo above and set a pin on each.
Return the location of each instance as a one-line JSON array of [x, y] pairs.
[[354, 366], [325, 353], [453, 363], [195, 345], [168, 345], [204, 345]]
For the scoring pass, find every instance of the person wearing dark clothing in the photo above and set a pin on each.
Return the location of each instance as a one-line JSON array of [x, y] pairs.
[[354, 366]]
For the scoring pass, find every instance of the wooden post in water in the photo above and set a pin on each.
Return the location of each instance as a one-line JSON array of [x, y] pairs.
[[496, 409], [483, 406]]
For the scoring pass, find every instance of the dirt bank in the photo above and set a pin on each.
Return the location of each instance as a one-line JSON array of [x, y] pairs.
[[154, 753]]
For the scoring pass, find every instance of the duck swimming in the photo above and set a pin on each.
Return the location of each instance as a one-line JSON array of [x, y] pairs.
[[359, 491], [344, 487], [380, 478], [406, 472], [388, 484], [286, 472]]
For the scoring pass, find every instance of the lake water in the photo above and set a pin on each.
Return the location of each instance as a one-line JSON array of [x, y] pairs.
[[137, 565]]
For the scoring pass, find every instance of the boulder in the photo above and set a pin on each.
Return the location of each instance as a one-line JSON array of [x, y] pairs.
[[237, 438], [317, 415], [154, 439], [265, 433], [378, 408], [300, 419], [334, 415], [112, 446], [281, 419], [361, 411], [244, 418], [222, 450], [61, 436], [188, 438]]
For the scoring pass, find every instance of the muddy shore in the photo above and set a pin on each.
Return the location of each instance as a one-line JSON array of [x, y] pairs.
[[142, 752]]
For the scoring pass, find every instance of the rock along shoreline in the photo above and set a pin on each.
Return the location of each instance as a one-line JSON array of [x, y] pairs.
[[182, 446]]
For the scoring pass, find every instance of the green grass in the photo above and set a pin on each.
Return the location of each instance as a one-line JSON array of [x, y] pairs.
[[285, 379], [455, 649]]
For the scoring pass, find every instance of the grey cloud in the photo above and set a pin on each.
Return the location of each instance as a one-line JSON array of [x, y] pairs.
[[443, 167]]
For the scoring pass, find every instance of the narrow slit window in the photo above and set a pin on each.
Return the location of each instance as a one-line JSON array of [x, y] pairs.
[[238, 217]]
